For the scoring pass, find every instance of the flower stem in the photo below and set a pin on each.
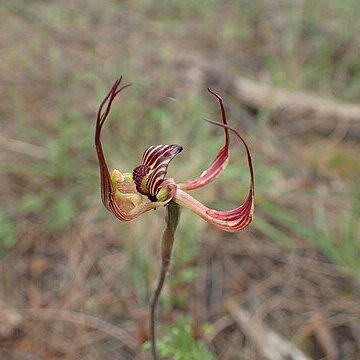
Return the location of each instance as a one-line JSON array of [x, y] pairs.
[[167, 242]]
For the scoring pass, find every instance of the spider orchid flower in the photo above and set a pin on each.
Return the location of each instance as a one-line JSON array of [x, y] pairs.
[[128, 195]]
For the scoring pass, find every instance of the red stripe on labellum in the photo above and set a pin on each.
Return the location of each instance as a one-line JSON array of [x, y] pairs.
[[149, 176], [138, 175], [152, 153]]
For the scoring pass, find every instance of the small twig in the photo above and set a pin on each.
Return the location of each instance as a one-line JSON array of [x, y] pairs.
[[270, 344], [167, 242], [303, 109], [320, 113], [23, 147]]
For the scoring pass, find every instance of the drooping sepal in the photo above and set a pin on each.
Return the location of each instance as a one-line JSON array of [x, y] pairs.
[[107, 189], [118, 191], [231, 220]]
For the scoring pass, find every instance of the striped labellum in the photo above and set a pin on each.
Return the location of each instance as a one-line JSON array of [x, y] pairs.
[[149, 176]]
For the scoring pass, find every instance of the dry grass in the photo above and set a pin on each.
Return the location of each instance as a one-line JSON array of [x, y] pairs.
[[75, 284]]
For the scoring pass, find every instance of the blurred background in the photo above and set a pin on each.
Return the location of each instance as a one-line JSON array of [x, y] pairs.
[[75, 282]]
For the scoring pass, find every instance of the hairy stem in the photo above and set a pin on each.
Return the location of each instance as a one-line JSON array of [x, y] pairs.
[[167, 242]]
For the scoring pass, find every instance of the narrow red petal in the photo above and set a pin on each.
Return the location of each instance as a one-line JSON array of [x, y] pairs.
[[231, 220], [107, 191], [218, 163]]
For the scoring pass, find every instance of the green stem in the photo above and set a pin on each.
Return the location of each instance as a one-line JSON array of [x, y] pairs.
[[167, 242]]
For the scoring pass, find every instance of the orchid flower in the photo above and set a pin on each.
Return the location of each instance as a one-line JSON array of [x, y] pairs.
[[130, 194]]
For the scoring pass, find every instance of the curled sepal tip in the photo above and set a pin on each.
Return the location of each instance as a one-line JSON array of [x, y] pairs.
[[220, 161], [231, 220]]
